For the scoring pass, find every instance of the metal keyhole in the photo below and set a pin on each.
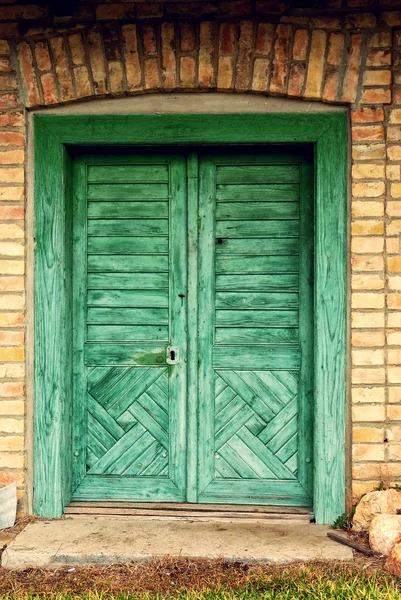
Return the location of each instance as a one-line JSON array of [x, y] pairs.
[[172, 355]]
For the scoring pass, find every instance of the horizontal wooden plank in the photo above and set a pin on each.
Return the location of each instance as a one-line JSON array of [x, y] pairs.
[[247, 173], [138, 353], [257, 357], [111, 487], [285, 281], [127, 245], [128, 191], [128, 298], [137, 263], [257, 210], [139, 281], [256, 300], [127, 316], [128, 173], [124, 227], [256, 264], [257, 318], [258, 193], [256, 335], [257, 246], [128, 210], [128, 333], [256, 229], [259, 490]]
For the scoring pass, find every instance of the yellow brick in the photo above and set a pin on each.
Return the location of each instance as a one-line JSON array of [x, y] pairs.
[[367, 338], [367, 282], [367, 171], [394, 282], [367, 208], [362, 452], [367, 300], [396, 190], [367, 228], [12, 408], [371, 413], [12, 354], [359, 488], [367, 434], [394, 356], [393, 208], [10, 231], [367, 320], [394, 319], [393, 172], [12, 194], [12, 301], [394, 227], [394, 374], [395, 116], [378, 472], [379, 77], [371, 262], [368, 151], [9, 425], [12, 267], [367, 376], [12, 371], [367, 358], [394, 152], [12, 249], [366, 395], [394, 264], [394, 338], [367, 245], [11, 443], [393, 244], [12, 175], [394, 451], [394, 412], [394, 395], [9, 460], [372, 189]]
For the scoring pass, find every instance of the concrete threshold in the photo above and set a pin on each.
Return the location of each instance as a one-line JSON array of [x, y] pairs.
[[104, 540]]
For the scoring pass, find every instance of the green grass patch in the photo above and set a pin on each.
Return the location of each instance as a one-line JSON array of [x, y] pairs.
[[202, 580]]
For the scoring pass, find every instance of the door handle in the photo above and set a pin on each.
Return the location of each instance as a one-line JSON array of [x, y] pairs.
[[172, 355]]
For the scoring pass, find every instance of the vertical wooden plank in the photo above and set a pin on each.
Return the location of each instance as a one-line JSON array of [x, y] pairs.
[[306, 327], [192, 402], [206, 294], [330, 322], [52, 423], [178, 320], [79, 275]]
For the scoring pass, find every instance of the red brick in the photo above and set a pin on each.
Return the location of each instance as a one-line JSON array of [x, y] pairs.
[[316, 64], [8, 101], [367, 115], [243, 68], [371, 133], [169, 74], [296, 80], [360, 21], [149, 10], [149, 40], [77, 49], [330, 89], [187, 37], [151, 72], [9, 138], [300, 44], [8, 81], [28, 74], [42, 56], [5, 65], [280, 62], [376, 96], [264, 38], [131, 57], [225, 73], [82, 82], [350, 85], [207, 78], [228, 34], [12, 119], [378, 58], [111, 12], [97, 61], [260, 74], [63, 72], [187, 72], [11, 213]]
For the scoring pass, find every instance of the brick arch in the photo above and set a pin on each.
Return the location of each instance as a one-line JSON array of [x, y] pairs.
[[318, 62]]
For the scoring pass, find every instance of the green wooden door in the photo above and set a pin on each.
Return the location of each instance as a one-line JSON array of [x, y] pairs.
[[129, 277], [248, 275]]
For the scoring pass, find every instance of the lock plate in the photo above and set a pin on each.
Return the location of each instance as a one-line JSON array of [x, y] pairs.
[[172, 355]]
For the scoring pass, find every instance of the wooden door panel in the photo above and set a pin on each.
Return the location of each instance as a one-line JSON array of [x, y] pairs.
[[255, 304], [129, 269]]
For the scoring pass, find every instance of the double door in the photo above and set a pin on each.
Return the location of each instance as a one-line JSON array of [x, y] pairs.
[[193, 326]]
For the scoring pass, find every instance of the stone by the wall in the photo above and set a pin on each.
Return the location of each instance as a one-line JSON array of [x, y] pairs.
[[384, 533], [375, 503]]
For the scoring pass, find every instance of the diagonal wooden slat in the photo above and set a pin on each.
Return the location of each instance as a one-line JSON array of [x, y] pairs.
[[276, 424], [108, 459], [257, 464], [97, 430], [130, 388], [104, 387], [276, 388], [149, 423], [266, 455], [144, 459], [158, 396], [154, 410], [288, 449], [237, 463], [288, 378], [232, 426], [292, 464], [99, 413], [288, 430], [225, 396], [132, 455], [223, 469], [228, 413], [95, 446], [261, 389], [219, 385], [233, 379], [159, 466]]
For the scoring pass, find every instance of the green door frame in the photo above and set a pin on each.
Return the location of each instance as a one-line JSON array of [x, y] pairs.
[[53, 135]]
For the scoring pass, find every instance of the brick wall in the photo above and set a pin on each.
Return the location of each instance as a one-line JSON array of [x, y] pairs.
[[331, 55]]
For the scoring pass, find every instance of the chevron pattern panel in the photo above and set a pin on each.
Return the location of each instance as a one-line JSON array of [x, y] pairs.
[[128, 427], [256, 424]]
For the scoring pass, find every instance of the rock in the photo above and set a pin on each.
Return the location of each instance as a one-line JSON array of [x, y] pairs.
[[393, 563], [384, 533], [375, 503]]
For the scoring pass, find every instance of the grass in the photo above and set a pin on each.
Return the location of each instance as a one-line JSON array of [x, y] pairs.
[[181, 579]]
